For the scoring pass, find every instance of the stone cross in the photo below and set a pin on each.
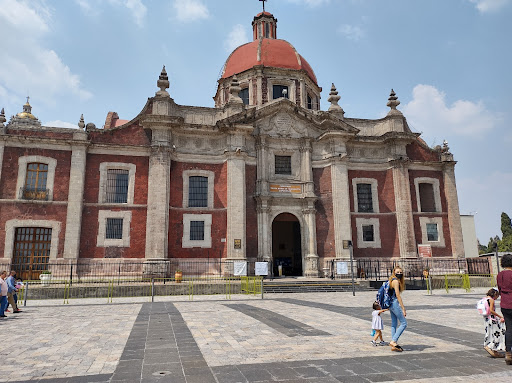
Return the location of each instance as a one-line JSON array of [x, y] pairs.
[[263, 1]]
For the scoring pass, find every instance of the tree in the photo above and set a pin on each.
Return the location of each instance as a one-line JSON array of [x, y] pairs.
[[505, 243], [506, 225]]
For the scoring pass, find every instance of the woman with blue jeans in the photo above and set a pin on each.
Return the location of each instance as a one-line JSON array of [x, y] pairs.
[[397, 309]]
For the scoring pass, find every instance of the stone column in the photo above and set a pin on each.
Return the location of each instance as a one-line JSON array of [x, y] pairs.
[[264, 229], [306, 168], [75, 198], [236, 209], [309, 213], [450, 191], [403, 206], [341, 207], [159, 180]]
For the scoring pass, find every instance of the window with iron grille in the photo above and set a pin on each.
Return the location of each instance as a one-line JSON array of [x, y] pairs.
[[279, 91], [427, 199], [117, 186], [368, 235], [31, 251], [35, 182], [114, 229], [196, 230], [364, 198], [197, 191], [283, 165], [244, 95], [432, 233]]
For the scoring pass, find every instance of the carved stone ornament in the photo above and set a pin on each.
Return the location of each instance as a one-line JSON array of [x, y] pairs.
[[283, 125]]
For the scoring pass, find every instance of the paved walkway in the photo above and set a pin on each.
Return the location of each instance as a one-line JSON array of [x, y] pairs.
[[290, 338]]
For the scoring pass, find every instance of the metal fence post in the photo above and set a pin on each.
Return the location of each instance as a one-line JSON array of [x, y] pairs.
[[71, 275], [25, 295], [152, 290], [261, 287]]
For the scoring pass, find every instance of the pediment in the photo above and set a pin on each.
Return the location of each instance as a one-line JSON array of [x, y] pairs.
[[284, 125]]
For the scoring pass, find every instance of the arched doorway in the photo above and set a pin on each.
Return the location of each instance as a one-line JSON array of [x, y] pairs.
[[287, 245]]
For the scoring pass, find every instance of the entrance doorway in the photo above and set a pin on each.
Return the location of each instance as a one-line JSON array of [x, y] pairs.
[[287, 245], [31, 251]]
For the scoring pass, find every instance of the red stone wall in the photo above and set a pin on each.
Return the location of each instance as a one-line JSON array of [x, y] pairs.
[[417, 152], [92, 176], [219, 212], [251, 212], [33, 211], [133, 135], [324, 213], [89, 234], [10, 171]]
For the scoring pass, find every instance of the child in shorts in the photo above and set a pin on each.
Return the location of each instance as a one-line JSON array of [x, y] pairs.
[[377, 324]]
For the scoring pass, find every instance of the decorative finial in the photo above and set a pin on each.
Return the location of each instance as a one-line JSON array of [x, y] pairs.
[[333, 99], [234, 90], [446, 148], [393, 102], [81, 124], [28, 98], [163, 83], [2, 117]]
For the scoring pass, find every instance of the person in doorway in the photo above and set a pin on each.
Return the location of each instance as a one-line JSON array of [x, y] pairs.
[[397, 309], [377, 324], [3, 293], [12, 290], [494, 341], [504, 280]]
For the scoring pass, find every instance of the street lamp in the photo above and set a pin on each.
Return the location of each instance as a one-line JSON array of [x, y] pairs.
[[497, 257]]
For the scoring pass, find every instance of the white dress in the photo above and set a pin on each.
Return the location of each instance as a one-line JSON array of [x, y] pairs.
[[494, 333], [377, 321]]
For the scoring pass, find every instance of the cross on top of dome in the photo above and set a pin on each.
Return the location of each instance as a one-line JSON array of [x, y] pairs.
[[263, 2]]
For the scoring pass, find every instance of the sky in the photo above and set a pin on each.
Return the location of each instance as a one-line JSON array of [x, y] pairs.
[[449, 61]]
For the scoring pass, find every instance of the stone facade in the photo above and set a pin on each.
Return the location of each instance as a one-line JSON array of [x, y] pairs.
[[261, 162]]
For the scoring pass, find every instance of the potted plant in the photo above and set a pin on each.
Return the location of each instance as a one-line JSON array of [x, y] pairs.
[[45, 277], [178, 276]]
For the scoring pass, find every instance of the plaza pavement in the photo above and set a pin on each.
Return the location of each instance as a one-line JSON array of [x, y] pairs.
[[316, 337]]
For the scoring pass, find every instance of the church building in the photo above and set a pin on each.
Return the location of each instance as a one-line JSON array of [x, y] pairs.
[[263, 175]]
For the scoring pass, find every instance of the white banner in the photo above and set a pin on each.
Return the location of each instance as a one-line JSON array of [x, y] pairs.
[[240, 268], [261, 268], [341, 268]]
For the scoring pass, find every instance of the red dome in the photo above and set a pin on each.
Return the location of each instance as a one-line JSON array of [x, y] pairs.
[[267, 52]]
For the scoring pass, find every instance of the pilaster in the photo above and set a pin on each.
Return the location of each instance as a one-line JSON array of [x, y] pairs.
[[309, 212], [236, 209], [159, 180], [450, 190], [341, 207], [75, 200], [2, 147], [403, 206]]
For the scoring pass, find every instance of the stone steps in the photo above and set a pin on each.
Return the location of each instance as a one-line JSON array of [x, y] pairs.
[[312, 286]]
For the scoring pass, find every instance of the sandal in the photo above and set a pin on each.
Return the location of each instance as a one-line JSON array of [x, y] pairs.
[[397, 348], [491, 352]]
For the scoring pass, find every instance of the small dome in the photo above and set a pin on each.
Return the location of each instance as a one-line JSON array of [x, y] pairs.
[[27, 112], [273, 53]]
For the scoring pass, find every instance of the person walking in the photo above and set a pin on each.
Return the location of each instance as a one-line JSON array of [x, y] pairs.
[[494, 340], [504, 280], [11, 292], [377, 324], [3, 294], [397, 309]]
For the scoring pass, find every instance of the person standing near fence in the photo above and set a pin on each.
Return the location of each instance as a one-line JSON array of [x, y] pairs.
[[397, 308], [504, 280], [11, 292], [3, 294]]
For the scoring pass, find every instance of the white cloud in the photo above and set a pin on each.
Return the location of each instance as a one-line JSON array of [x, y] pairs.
[[190, 10], [236, 37], [484, 6], [136, 7], [61, 124], [351, 32], [27, 66], [428, 112]]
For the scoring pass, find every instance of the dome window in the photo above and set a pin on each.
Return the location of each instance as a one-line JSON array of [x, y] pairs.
[[279, 91], [267, 30], [310, 102], [244, 95]]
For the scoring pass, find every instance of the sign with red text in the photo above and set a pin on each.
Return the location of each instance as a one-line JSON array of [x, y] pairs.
[[425, 251]]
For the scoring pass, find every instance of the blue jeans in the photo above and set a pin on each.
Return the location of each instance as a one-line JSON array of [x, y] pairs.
[[3, 305], [397, 315]]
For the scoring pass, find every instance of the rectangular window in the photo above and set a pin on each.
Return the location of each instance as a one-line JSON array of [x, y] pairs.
[[35, 182], [283, 165], [310, 102], [364, 198], [117, 186], [197, 230], [114, 229], [368, 235], [244, 95], [432, 233], [427, 200], [267, 30], [31, 251], [197, 191], [279, 91]]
